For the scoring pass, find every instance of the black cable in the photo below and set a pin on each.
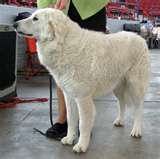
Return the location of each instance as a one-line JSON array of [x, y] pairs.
[[50, 105], [50, 99], [37, 130]]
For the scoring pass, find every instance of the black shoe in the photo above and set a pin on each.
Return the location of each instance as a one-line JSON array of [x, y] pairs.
[[57, 131]]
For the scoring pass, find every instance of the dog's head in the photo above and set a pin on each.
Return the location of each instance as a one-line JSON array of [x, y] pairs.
[[43, 24]]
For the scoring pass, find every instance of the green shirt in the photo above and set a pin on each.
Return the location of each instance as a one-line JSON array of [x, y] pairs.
[[85, 8]]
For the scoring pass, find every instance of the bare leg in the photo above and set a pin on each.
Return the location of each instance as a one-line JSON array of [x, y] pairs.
[[62, 115], [59, 129], [86, 109]]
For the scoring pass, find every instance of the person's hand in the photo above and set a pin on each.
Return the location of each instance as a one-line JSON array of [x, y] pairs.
[[60, 4]]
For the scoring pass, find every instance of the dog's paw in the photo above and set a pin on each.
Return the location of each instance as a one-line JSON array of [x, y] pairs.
[[67, 140], [78, 148], [136, 132], [118, 123]]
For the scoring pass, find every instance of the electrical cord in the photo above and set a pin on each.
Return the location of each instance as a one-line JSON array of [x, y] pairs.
[[50, 106]]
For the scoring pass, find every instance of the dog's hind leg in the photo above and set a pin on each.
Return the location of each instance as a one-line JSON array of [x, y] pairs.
[[87, 113], [138, 115], [72, 119], [137, 92], [137, 82], [137, 95], [121, 104]]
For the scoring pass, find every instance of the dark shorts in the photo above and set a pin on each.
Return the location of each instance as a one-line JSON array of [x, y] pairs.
[[96, 22]]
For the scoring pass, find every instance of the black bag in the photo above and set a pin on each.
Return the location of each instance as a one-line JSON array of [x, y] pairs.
[[7, 62]]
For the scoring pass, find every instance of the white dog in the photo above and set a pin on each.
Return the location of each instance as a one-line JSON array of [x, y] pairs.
[[85, 64]]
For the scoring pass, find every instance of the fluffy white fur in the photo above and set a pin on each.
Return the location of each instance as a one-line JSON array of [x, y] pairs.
[[85, 64]]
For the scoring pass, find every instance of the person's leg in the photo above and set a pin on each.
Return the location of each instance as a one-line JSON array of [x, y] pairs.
[[59, 129], [62, 116]]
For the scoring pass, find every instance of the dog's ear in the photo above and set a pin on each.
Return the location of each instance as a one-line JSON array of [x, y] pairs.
[[58, 21], [47, 33]]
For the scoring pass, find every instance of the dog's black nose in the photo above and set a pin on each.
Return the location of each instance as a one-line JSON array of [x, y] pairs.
[[15, 25]]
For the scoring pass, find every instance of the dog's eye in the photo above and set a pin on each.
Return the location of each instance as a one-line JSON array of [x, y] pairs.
[[35, 19]]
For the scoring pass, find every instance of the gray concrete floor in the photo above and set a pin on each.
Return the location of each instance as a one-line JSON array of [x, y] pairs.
[[18, 139]]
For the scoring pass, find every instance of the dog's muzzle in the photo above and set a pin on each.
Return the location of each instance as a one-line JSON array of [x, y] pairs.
[[15, 25]]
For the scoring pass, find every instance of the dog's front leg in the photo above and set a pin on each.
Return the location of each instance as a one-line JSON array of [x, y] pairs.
[[72, 119], [87, 111]]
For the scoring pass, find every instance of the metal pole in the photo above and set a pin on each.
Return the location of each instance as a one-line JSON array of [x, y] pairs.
[[137, 7]]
